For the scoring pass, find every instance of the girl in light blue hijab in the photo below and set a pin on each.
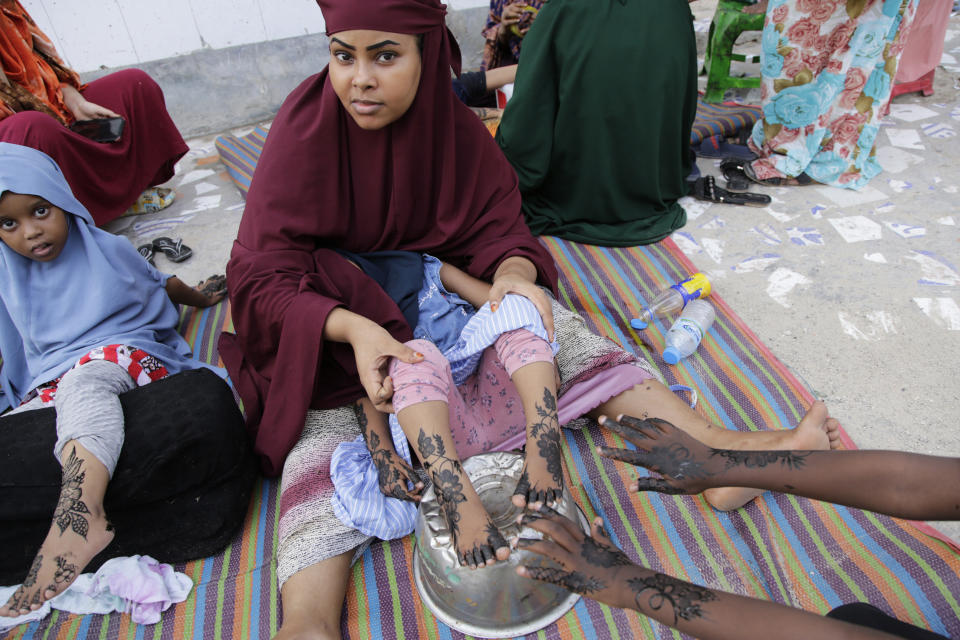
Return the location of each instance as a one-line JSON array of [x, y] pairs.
[[83, 318]]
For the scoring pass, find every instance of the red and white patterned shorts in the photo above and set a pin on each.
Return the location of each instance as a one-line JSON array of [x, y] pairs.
[[141, 366]]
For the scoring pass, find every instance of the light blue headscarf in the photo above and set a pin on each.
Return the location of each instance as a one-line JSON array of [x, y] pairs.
[[98, 291]]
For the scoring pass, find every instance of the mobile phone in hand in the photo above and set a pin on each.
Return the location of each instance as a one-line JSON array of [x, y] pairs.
[[100, 129]]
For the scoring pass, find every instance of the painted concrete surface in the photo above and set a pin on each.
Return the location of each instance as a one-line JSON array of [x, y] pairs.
[[108, 33], [857, 293]]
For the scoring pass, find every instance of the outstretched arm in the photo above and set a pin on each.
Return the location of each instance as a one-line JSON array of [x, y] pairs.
[[593, 566], [206, 294], [900, 484]]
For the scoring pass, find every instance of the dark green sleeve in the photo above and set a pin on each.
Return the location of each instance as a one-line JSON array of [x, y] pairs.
[[526, 131]]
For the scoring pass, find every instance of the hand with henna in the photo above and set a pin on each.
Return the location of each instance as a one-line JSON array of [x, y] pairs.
[[895, 483], [686, 464], [593, 566], [393, 472]]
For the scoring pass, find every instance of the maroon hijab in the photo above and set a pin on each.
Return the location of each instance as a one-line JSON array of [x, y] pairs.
[[433, 181]]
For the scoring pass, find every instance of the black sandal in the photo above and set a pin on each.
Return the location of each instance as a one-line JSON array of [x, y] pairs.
[[801, 180], [175, 251], [706, 189], [732, 170], [146, 250]]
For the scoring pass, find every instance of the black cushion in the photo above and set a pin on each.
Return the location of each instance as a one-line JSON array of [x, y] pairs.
[[181, 488]]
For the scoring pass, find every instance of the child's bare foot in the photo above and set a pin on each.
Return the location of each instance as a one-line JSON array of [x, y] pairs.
[[477, 540], [541, 480], [60, 560], [79, 532]]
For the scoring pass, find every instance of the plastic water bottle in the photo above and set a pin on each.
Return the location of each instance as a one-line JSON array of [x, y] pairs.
[[687, 332], [673, 299]]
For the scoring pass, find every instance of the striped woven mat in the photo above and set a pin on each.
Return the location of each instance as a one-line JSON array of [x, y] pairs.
[[799, 552]]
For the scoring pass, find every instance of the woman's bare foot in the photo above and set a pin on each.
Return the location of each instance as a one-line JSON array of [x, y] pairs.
[[816, 431], [79, 532], [541, 480]]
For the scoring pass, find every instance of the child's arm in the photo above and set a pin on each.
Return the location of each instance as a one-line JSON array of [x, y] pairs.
[[206, 294], [393, 472], [471, 289]]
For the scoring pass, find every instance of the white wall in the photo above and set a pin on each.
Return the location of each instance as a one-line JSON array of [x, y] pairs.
[[91, 34]]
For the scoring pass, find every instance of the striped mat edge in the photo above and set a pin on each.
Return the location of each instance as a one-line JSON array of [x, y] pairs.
[[767, 550]]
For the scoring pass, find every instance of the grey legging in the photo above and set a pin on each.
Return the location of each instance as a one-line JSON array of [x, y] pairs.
[[89, 411]]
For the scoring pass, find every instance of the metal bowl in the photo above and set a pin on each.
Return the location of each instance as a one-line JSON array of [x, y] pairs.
[[491, 602]]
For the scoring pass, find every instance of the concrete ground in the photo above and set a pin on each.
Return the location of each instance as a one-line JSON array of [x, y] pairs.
[[856, 292]]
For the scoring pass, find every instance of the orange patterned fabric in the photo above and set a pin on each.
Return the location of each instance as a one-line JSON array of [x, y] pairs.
[[33, 69]]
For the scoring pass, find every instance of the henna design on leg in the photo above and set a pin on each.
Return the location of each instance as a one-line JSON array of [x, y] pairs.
[[448, 481], [545, 433], [71, 512]]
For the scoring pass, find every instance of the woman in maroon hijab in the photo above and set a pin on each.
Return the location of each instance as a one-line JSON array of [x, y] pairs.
[[376, 154]]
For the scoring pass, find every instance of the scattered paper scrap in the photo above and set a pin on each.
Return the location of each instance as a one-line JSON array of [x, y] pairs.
[[906, 230], [781, 282], [943, 311], [857, 228]]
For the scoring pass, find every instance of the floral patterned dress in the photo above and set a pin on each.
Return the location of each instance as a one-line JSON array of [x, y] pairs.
[[828, 68]]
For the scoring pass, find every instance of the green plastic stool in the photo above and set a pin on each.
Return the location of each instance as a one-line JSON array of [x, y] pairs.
[[728, 23]]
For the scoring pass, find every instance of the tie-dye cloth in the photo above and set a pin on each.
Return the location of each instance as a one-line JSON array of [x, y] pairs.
[[827, 72]]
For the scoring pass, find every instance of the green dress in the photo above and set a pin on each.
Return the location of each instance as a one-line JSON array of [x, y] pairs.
[[598, 127]]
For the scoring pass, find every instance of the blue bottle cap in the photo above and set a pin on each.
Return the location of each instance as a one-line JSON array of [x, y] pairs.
[[671, 355], [637, 323]]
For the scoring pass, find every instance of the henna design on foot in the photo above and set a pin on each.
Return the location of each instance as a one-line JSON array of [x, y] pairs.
[[546, 434], [685, 598], [393, 472], [448, 482], [70, 511]]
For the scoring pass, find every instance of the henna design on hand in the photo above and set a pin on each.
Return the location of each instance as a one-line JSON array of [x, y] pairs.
[[685, 598], [570, 580], [70, 508], [602, 555], [678, 462]]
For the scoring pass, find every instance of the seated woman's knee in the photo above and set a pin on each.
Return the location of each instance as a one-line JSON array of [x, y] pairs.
[[31, 128]]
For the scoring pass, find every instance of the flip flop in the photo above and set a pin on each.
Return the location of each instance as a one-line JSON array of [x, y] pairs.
[[146, 250], [175, 251], [706, 189]]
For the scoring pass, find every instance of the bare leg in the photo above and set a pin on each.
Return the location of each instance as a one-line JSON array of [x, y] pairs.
[[313, 600], [477, 539], [79, 531], [542, 478], [817, 430]]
